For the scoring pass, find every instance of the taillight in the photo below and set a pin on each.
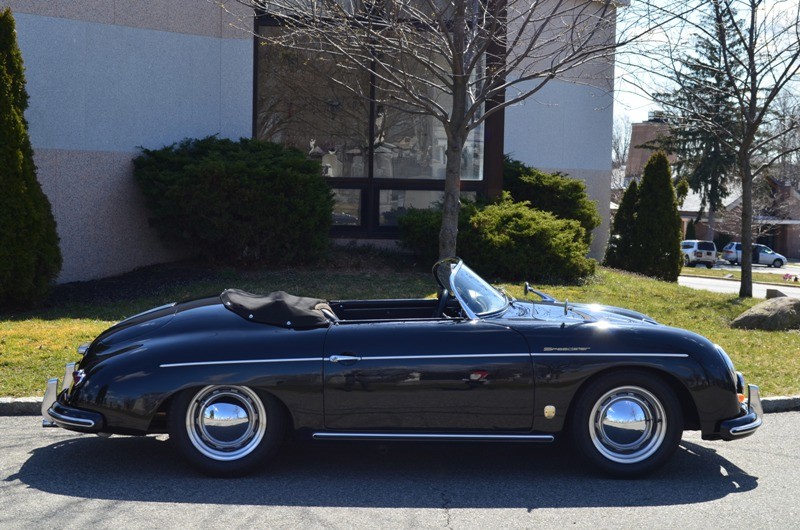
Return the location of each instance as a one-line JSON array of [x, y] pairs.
[[698, 254]]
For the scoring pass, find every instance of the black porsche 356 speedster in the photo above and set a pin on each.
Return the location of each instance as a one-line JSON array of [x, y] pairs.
[[232, 376]]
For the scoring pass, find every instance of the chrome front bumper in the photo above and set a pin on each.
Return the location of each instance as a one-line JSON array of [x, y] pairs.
[[55, 414], [751, 418]]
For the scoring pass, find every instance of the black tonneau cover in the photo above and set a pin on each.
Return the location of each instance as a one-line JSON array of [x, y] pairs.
[[277, 309]]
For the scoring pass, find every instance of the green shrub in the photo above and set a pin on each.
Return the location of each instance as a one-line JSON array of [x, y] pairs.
[[508, 240], [658, 224], [622, 246], [558, 194], [29, 255], [247, 202], [419, 230]]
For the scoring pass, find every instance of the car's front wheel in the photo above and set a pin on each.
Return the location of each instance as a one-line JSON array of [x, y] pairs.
[[627, 424], [226, 430], [777, 264]]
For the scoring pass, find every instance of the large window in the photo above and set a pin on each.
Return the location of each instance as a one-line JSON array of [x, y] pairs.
[[380, 160]]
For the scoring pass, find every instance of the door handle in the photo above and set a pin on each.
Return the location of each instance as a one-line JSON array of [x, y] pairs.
[[343, 358]]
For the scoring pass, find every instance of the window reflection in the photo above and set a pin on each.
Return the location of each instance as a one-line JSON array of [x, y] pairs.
[[300, 105], [346, 207], [395, 203]]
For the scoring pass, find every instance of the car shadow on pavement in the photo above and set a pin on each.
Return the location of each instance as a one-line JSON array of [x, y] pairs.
[[362, 475]]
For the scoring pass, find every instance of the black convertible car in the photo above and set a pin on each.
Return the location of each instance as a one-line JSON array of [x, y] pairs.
[[232, 376]]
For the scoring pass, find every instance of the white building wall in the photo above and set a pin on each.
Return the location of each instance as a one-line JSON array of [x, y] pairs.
[[105, 78], [567, 127]]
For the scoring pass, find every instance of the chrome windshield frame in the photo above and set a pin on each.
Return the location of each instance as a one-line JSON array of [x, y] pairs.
[[472, 315]]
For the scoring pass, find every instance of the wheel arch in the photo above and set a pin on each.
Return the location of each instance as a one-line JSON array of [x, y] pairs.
[[691, 416], [158, 422]]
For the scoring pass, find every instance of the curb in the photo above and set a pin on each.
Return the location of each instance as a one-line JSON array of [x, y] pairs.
[[32, 406], [774, 284]]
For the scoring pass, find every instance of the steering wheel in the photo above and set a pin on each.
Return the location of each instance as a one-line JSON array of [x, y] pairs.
[[442, 304]]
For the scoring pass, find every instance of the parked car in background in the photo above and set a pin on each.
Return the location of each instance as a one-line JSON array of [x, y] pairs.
[[766, 256], [699, 252], [231, 376]]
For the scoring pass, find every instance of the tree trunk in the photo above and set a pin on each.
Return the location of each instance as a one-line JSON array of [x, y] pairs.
[[746, 286], [712, 221], [456, 136], [448, 235]]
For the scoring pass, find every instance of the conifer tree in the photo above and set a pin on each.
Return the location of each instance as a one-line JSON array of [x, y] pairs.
[[658, 224], [621, 243], [703, 117], [691, 231], [29, 255]]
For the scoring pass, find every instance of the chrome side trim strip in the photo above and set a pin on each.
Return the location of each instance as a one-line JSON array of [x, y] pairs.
[[74, 422], [590, 354], [451, 356], [427, 436], [242, 361], [403, 357]]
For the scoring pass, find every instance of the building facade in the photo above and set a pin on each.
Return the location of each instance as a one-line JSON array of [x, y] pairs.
[[106, 78]]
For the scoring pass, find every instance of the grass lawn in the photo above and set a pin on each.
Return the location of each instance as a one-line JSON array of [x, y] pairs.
[[35, 345]]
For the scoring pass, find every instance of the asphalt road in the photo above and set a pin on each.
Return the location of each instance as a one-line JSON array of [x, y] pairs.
[[52, 478]]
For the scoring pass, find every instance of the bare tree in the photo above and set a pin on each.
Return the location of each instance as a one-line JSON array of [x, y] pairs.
[[459, 61], [787, 109], [759, 43], [770, 206], [620, 142]]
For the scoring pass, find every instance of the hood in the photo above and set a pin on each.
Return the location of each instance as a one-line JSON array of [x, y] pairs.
[[555, 311]]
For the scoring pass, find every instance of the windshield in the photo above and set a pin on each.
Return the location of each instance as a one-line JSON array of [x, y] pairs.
[[476, 296]]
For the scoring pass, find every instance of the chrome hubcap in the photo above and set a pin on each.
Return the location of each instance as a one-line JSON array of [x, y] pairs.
[[627, 424], [226, 422]]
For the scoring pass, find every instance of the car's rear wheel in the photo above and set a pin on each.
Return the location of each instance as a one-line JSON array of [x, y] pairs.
[[226, 430], [627, 424], [777, 264], [685, 260], [709, 265]]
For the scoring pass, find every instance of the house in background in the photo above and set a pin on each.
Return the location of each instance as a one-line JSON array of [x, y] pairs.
[[776, 219], [106, 78], [654, 128], [777, 216]]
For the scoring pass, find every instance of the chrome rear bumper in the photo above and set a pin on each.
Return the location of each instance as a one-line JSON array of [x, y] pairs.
[[55, 414], [51, 394]]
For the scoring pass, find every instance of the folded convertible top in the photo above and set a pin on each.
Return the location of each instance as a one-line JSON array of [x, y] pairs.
[[277, 309]]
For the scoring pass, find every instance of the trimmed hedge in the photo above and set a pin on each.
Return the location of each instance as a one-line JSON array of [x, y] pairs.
[[247, 202], [556, 193], [510, 240], [506, 239]]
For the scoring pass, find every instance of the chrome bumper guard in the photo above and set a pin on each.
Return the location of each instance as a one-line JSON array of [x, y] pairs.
[[751, 419], [54, 414], [49, 399]]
